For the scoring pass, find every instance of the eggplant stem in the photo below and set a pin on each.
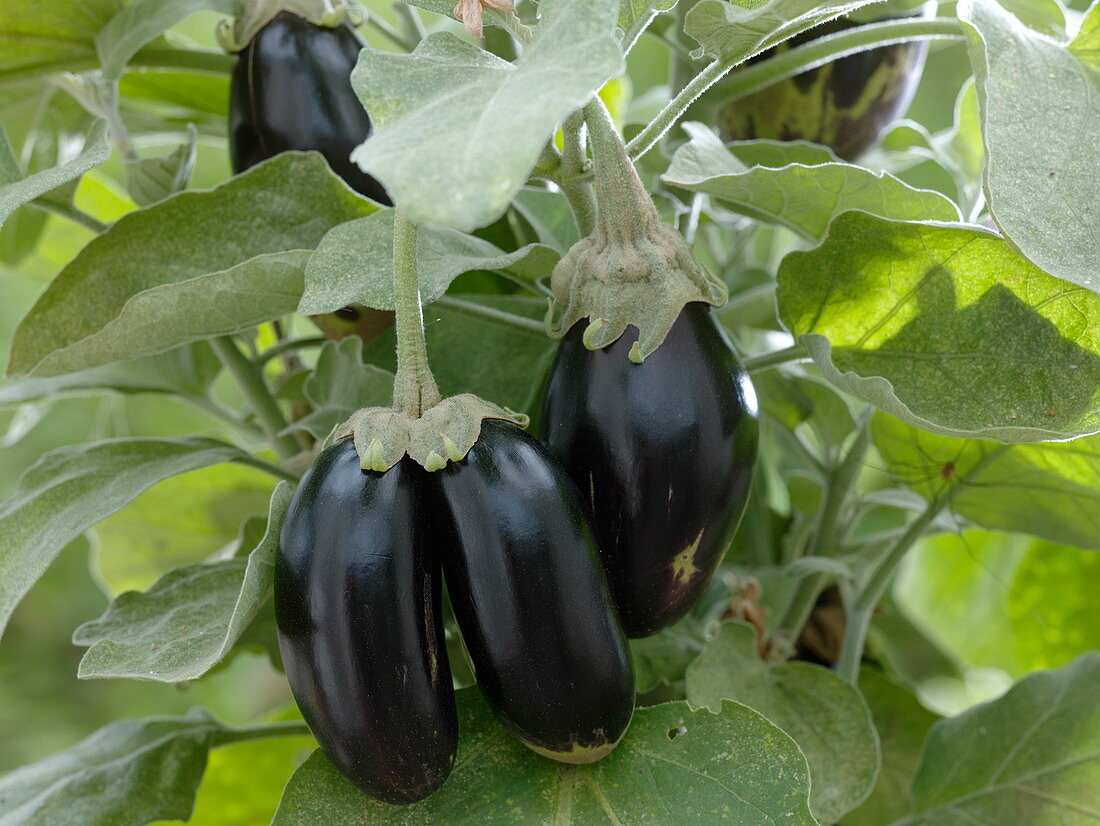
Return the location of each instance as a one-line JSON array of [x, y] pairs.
[[414, 387]]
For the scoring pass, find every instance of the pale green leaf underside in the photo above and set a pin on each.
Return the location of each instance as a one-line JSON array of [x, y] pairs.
[[825, 715], [18, 192], [1032, 756], [196, 265], [1047, 489], [494, 117], [70, 489], [341, 384], [804, 198], [673, 767], [189, 620], [947, 328], [353, 264], [1040, 106]]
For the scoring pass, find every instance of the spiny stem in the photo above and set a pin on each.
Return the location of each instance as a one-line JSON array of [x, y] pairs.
[[414, 387], [795, 61], [250, 380]]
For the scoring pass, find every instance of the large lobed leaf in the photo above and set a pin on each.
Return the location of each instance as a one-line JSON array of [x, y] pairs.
[[1047, 489], [826, 716], [1040, 107], [947, 328], [70, 489], [673, 766], [196, 265], [458, 130], [792, 190]]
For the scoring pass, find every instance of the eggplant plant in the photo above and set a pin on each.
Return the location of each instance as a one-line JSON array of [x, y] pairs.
[[574, 411]]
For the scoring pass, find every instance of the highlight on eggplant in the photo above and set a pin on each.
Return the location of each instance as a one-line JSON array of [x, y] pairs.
[[358, 610], [664, 452]]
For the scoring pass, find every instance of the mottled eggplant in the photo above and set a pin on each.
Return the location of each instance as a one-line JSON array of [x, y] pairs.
[[664, 452], [291, 89], [531, 599], [357, 603], [845, 104]]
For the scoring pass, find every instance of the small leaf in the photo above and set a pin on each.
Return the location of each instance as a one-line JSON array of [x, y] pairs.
[[703, 767], [353, 264], [1048, 489], [1031, 756], [70, 489], [196, 265], [947, 328], [153, 179], [735, 32], [130, 771], [341, 384], [189, 620], [494, 117], [826, 716], [800, 197], [1039, 177], [14, 192]]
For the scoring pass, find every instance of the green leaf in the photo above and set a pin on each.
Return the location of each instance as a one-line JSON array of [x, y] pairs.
[[703, 767], [800, 197], [341, 384], [42, 36], [1086, 45], [549, 216], [187, 371], [1039, 177], [336, 276], [1004, 601], [9, 166], [734, 32], [1046, 16], [826, 716], [140, 22], [70, 489], [189, 620], [1032, 756], [902, 724], [947, 328], [792, 400], [153, 179], [130, 771], [160, 277], [496, 116], [18, 191], [1047, 489]]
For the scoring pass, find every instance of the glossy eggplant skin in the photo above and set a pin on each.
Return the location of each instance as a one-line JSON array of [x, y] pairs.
[[291, 89], [357, 604], [664, 452], [531, 600]]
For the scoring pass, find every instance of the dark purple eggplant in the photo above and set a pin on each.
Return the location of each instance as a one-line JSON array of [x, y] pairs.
[[531, 600], [357, 603], [664, 452], [291, 89]]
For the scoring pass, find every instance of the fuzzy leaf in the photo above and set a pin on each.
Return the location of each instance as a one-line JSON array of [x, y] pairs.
[[496, 116], [42, 36], [153, 179], [341, 384], [1041, 160], [947, 328]]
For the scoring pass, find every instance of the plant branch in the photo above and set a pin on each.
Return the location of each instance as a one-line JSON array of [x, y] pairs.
[[411, 22], [67, 210], [867, 598], [218, 411], [574, 159], [787, 64], [291, 345], [290, 728], [268, 467], [414, 387], [250, 380], [777, 357], [499, 317], [389, 32]]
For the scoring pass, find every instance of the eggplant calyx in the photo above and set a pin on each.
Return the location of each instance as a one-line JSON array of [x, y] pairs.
[[444, 433], [256, 14]]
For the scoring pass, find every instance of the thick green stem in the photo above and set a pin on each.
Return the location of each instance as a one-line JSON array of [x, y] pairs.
[[499, 317], [625, 208], [776, 358], [250, 379], [574, 157], [414, 387], [795, 61], [870, 594], [838, 485]]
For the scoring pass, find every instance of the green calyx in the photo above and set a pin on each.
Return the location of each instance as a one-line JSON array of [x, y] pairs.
[[632, 270], [443, 433], [256, 14]]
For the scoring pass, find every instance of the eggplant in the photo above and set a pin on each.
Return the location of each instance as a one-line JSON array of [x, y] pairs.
[[291, 89], [845, 104], [525, 581], [664, 451], [357, 605]]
